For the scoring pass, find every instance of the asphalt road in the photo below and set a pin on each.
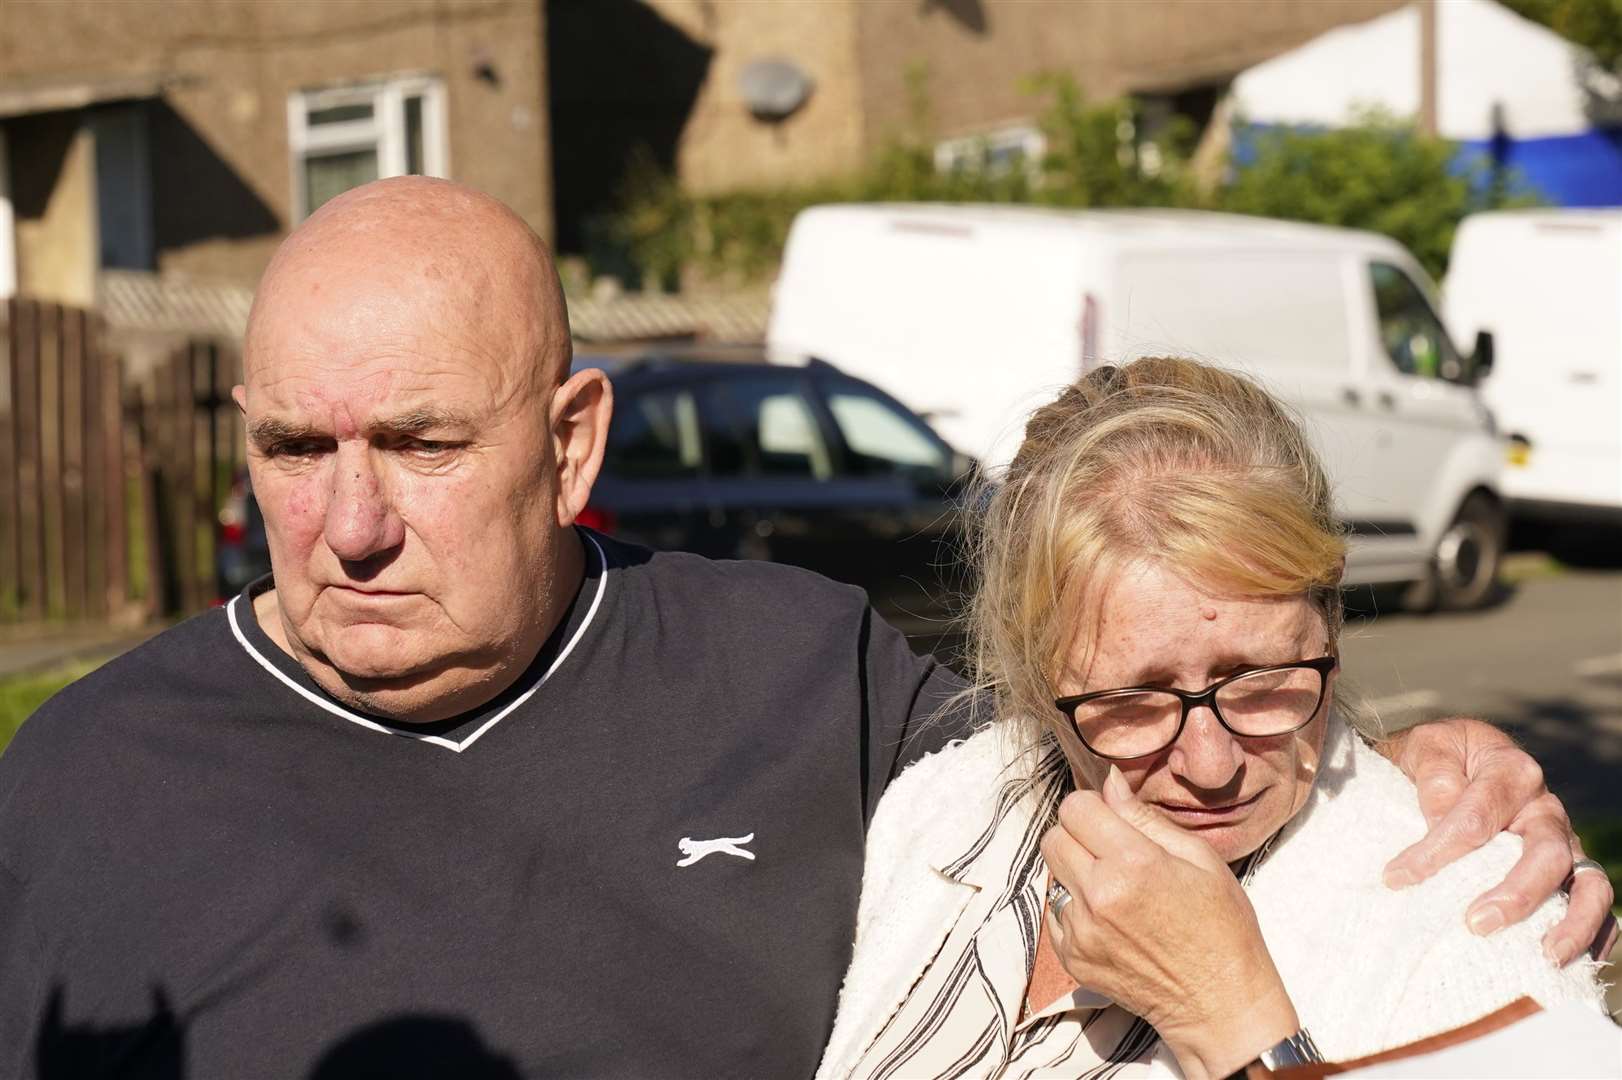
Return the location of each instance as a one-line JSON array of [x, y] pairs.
[[1545, 662]]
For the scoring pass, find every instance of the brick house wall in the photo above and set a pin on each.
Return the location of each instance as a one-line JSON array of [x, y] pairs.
[[976, 53], [723, 146], [218, 147]]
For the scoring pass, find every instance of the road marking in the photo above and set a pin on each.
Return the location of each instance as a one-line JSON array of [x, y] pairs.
[[1600, 665], [1412, 701]]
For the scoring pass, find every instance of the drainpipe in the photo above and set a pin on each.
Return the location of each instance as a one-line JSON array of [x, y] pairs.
[[1427, 66]]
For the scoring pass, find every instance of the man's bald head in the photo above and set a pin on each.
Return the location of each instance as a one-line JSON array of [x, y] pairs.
[[424, 242]]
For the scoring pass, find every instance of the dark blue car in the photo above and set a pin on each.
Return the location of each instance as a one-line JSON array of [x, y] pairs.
[[802, 465]]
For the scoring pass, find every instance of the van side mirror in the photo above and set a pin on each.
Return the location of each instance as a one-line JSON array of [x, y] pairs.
[[1481, 359]]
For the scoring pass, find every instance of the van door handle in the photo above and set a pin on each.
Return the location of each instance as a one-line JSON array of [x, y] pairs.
[[1387, 400], [1350, 396]]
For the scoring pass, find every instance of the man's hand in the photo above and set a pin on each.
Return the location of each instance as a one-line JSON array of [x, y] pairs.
[[1474, 783]]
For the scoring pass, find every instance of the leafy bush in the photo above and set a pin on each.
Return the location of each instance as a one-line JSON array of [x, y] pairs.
[[1381, 174], [739, 236], [1095, 157], [1596, 25]]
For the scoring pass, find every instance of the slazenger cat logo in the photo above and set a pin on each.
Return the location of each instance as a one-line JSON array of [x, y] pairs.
[[721, 845]]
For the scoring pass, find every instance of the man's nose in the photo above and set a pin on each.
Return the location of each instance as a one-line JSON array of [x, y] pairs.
[[1206, 754], [361, 519]]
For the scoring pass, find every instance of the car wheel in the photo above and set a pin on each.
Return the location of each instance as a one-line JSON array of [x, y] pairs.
[[1464, 565]]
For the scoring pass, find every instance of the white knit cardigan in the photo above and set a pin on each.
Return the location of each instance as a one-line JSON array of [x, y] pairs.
[[1367, 967]]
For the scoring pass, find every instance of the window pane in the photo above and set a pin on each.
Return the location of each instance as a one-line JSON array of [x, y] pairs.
[[413, 135], [1410, 331], [880, 438], [762, 427], [654, 435], [328, 175], [338, 114]]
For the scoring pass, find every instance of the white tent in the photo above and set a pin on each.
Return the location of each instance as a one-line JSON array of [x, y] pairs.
[[1504, 86], [1486, 55]]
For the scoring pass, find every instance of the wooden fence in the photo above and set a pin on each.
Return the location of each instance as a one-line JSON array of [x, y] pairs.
[[191, 438], [109, 480]]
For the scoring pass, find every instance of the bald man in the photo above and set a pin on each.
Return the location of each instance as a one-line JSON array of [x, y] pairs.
[[463, 789]]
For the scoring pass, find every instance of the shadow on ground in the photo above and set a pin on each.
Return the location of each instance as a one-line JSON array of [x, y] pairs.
[[1580, 755]]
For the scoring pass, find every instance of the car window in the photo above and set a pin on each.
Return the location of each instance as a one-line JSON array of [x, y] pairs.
[[1413, 336], [881, 438], [762, 426], [654, 435]]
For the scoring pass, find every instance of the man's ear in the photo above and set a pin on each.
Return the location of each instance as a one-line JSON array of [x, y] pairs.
[[581, 409]]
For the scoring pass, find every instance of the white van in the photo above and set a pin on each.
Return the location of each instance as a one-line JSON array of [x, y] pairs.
[[975, 315], [1548, 285]]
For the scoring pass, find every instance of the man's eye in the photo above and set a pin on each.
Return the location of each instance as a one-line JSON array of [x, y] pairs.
[[294, 448], [428, 447]]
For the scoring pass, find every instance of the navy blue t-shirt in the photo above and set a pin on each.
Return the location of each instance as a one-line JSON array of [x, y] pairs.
[[643, 860]]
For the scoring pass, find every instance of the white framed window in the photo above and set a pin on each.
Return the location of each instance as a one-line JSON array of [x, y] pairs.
[[8, 242], [343, 136], [124, 186], [1018, 146]]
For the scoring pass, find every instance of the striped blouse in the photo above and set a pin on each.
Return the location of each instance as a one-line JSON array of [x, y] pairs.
[[963, 1017]]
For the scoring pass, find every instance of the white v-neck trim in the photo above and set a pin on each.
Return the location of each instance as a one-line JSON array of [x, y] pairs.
[[449, 744]]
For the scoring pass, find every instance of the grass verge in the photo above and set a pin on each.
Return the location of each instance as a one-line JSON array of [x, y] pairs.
[[1602, 840], [20, 695]]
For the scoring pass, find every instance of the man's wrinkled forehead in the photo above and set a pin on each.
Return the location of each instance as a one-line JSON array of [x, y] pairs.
[[362, 389], [341, 314], [342, 354]]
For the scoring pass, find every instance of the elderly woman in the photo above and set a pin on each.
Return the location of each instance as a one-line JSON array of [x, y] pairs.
[[1165, 855]]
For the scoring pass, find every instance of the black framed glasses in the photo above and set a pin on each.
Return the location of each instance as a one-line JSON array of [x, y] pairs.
[[1137, 721]]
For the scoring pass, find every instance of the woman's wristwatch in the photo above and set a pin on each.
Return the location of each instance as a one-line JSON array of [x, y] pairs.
[[1297, 1049]]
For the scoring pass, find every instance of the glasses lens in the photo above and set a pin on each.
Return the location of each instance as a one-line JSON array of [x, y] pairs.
[[1129, 725], [1270, 702]]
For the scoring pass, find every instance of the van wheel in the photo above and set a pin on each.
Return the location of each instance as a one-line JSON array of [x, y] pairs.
[[1464, 566]]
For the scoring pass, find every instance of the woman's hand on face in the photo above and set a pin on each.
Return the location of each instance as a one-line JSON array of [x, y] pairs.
[[1159, 924]]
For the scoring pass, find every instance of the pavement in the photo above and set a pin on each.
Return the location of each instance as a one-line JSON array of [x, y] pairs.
[[1545, 662], [23, 652]]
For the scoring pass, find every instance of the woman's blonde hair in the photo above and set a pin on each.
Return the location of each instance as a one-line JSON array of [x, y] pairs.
[[1165, 460]]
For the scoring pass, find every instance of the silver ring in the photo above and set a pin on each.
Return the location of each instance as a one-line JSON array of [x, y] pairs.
[[1058, 897], [1591, 865]]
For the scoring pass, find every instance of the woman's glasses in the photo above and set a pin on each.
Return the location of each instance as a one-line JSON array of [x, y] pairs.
[[1137, 721]]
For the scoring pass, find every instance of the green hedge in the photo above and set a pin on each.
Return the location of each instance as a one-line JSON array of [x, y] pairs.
[[1381, 174]]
